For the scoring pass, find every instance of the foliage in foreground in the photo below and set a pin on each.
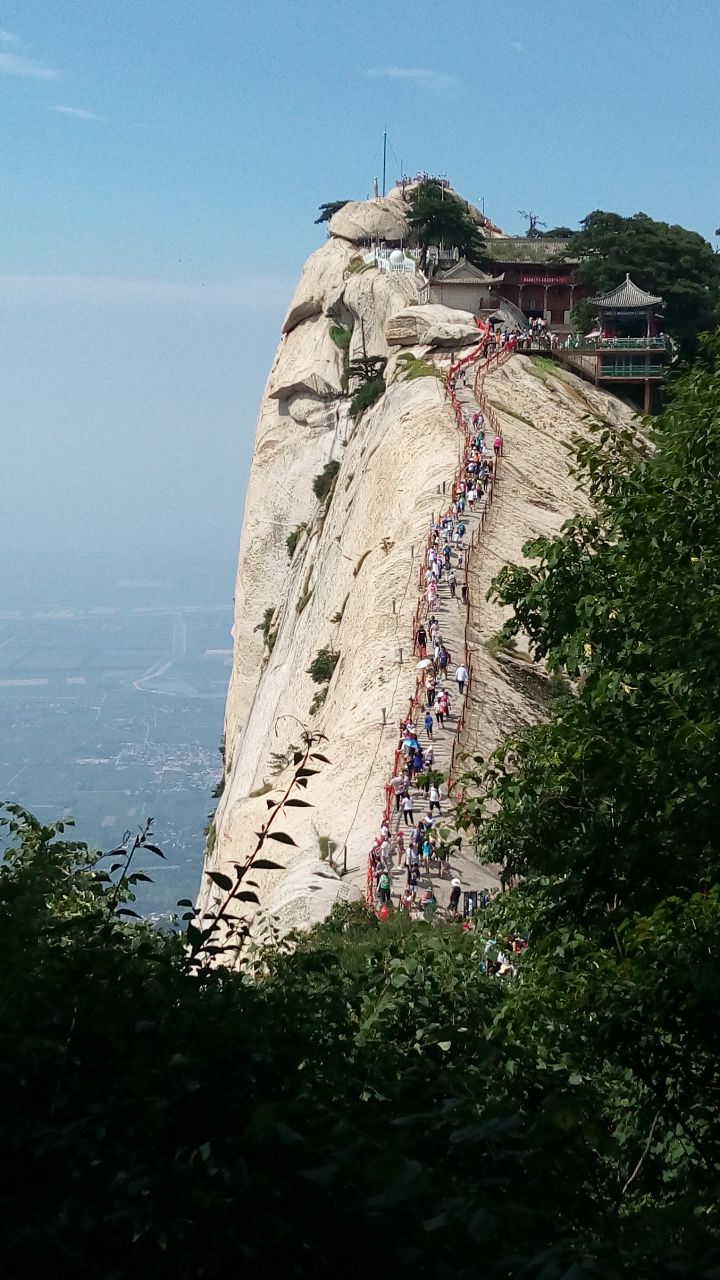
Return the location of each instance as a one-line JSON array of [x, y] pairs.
[[373, 1086]]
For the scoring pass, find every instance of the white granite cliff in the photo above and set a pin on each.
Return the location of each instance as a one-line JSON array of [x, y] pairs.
[[352, 582]]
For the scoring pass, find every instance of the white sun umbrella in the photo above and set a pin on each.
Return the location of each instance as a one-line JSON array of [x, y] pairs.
[[424, 662]]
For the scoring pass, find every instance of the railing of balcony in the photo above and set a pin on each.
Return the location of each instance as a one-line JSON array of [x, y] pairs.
[[631, 369], [660, 343]]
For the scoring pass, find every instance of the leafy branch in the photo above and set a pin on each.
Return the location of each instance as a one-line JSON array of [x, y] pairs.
[[200, 938]]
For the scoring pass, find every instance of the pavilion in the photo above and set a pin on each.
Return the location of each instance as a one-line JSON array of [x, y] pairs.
[[624, 346]]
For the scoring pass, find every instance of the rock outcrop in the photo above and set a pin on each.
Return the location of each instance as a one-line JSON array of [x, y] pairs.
[[351, 583], [384, 218], [431, 325]]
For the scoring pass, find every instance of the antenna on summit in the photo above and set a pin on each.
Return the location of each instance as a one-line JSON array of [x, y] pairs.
[[384, 156]]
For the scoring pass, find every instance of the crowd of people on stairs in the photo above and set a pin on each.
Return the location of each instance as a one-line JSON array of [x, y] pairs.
[[409, 857]]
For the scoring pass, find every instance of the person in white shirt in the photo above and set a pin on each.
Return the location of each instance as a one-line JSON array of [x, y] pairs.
[[433, 798], [398, 785], [461, 676]]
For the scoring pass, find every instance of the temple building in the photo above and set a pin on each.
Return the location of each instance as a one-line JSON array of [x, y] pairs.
[[537, 277], [462, 286], [626, 346]]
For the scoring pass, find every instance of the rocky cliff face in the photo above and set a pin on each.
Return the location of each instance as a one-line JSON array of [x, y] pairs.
[[352, 582]]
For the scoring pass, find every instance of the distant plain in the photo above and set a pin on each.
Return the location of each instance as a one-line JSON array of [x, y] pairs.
[[112, 716]]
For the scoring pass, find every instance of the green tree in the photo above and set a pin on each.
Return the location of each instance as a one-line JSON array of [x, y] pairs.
[[557, 233], [329, 208], [368, 374], [436, 217], [676, 264]]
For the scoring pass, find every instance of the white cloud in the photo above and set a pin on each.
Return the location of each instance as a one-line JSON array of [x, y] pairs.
[[14, 64], [423, 76], [77, 113], [255, 293], [7, 37]]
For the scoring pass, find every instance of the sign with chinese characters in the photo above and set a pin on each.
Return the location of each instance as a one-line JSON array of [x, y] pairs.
[[544, 280]]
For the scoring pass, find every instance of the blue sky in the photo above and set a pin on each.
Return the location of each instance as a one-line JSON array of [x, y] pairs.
[[162, 164]]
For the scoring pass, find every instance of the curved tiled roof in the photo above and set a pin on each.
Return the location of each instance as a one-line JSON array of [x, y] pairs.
[[463, 272], [627, 296]]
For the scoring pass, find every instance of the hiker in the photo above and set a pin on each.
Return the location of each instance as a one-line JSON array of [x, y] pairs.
[[429, 725], [428, 904], [398, 785], [440, 712], [497, 446], [430, 688], [464, 592], [421, 640], [461, 676], [375, 860], [454, 902], [452, 583], [408, 811], [434, 798], [400, 848], [384, 887], [406, 899]]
